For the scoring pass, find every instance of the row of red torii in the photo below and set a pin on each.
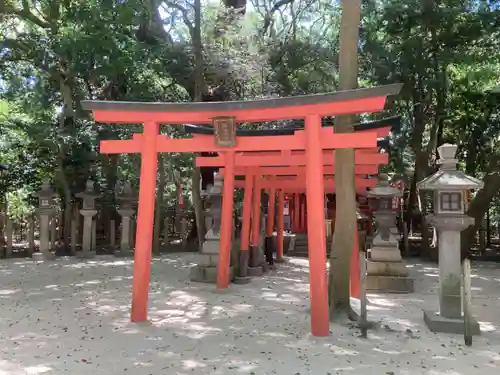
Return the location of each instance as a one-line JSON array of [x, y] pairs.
[[307, 154]]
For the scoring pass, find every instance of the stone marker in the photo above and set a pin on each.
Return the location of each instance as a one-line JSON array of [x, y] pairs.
[[386, 269], [449, 186], [467, 302]]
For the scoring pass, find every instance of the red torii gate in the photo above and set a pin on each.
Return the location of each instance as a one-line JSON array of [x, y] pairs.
[[283, 182], [224, 116]]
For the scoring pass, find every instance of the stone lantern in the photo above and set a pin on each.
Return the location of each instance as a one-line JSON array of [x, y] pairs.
[[45, 210], [449, 186], [206, 268], [385, 269], [126, 210], [88, 211]]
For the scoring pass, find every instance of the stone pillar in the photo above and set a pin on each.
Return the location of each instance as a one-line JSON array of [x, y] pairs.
[[449, 186], [86, 251], [133, 225], [45, 210], [94, 235], [207, 260], [386, 270], [88, 212], [126, 201], [125, 237]]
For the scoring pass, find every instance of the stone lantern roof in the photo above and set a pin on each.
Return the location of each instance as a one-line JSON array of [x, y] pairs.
[[89, 191], [127, 193], [383, 189], [448, 177], [45, 191]]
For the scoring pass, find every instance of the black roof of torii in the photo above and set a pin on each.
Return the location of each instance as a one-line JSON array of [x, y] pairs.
[[394, 122]]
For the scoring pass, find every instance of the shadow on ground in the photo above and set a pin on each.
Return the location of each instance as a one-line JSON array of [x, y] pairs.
[[73, 317]]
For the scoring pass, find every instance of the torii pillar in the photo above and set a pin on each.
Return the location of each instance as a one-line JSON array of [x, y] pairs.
[[280, 226], [316, 228], [244, 256], [269, 244]]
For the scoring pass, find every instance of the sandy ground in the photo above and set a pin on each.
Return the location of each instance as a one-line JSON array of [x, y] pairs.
[[72, 317]]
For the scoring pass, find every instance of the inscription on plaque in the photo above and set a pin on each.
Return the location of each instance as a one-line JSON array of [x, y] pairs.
[[225, 132]]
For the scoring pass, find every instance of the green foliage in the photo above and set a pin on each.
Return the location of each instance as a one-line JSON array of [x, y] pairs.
[[18, 203], [54, 54]]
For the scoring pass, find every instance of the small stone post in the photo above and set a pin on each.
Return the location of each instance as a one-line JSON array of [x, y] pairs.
[[449, 186], [126, 200], [45, 210], [88, 212], [386, 269], [93, 243], [133, 225]]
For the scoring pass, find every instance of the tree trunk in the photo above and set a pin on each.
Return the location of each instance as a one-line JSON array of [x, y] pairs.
[[477, 209], [108, 211], [345, 216], [198, 94], [66, 121]]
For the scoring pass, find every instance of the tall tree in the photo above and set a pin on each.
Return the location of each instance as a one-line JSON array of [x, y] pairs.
[[345, 220]]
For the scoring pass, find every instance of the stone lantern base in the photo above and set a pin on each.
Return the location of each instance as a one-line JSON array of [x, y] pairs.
[[386, 270], [205, 270], [438, 323], [389, 284]]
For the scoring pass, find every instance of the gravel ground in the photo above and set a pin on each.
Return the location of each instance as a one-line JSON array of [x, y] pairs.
[[72, 317]]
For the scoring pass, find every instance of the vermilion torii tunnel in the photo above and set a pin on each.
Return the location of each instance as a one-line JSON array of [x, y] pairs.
[[313, 141]]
